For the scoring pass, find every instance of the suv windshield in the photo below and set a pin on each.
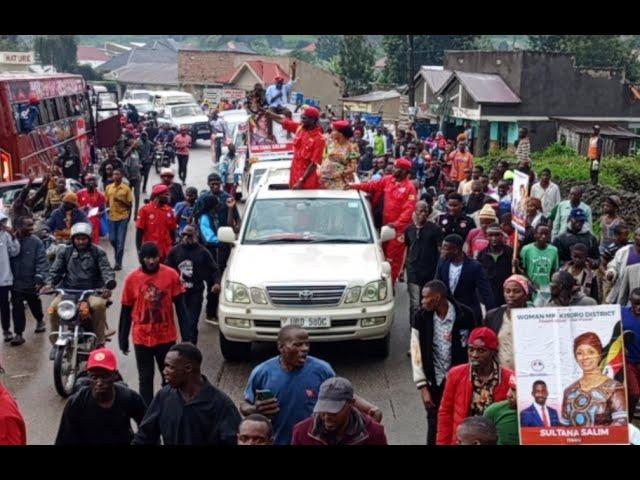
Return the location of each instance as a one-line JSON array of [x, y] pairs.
[[186, 111], [309, 220]]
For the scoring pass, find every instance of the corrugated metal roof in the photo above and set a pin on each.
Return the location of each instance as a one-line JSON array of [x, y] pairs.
[[146, 74], [374, 96], [487, 87], [606, 129], [435, 78]]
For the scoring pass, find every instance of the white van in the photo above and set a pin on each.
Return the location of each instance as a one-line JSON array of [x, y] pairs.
[[171, 97]]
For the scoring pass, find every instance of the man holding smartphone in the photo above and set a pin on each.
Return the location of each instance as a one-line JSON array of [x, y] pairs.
[[285, 388]]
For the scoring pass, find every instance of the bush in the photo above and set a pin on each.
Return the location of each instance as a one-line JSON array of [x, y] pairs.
[[566, 164]]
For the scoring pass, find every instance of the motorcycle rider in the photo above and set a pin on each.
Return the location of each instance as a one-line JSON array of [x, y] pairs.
[[82, 266], [176, 194]]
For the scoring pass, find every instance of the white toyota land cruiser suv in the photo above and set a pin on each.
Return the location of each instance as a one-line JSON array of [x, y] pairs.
[[311, 258]]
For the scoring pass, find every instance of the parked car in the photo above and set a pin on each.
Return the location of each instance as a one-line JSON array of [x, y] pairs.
[[9, 190], [307, 257]]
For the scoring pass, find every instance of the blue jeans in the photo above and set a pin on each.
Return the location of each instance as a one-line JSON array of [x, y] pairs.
[[117, 237]]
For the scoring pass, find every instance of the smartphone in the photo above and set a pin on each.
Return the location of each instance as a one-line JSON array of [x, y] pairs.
[[262, 395]]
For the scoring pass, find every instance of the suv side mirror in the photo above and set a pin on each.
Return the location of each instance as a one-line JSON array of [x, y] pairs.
[[226, 235], [387, 233]]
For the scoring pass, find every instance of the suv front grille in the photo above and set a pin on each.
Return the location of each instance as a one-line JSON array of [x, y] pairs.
[[287, 295]]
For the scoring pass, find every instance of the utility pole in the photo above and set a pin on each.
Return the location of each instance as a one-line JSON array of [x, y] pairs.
[[411, 70]]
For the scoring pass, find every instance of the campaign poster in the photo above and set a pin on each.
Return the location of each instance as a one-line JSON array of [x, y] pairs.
[[570, 374], [266, 136], [519, 201]]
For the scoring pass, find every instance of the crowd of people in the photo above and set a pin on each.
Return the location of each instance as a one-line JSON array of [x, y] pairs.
[[465, 265]]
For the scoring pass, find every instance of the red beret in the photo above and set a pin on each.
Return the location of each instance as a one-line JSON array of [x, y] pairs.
[[159, 189], [403, 163], [311, 112], [484, 337], [279, 78], [340, 124]]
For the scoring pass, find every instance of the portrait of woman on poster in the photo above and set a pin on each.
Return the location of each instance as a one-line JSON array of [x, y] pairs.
[[260, 131], [594, 399]]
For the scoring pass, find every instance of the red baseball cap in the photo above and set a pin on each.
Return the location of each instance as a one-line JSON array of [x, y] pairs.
[[483, 337], [159, 189], [403, 163], [279, 78], [102, 358], [311, 112]]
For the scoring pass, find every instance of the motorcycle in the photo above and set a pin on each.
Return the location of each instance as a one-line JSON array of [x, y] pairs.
[[163, 157], [74, 339]]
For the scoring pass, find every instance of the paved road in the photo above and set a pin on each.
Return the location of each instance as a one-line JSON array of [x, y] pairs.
[[387, 383]]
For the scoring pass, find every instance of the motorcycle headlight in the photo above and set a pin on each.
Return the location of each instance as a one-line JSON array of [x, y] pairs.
[[236, 293], [353, 294], [258, 296], [66, 309], [374, 291]]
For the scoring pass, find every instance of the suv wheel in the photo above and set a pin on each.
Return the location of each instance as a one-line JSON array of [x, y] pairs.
[[235, 351], [380, 348]]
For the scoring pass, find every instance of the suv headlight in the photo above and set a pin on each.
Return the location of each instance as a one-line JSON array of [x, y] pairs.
[[353, 295], [236, 292], [374, 291], [258, 296], [66, 309]]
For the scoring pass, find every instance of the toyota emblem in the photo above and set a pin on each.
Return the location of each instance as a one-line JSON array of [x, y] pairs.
[[305, 295]]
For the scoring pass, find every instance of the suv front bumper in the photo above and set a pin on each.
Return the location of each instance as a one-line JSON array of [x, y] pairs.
[[346, 322]]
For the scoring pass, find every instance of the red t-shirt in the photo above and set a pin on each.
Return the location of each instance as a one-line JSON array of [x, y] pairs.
[[308, 146], [158, 224], [12, 428], [92, 200], [151, 297]]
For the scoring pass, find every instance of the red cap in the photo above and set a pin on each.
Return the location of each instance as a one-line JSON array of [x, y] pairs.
[[33, 98], [102, 358], [403, 163], [311, 112], [483, 337], [340, 124], [279, 78], [159, 189]]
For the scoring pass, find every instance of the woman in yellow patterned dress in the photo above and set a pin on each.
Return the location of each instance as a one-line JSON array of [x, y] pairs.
[[341, 157]]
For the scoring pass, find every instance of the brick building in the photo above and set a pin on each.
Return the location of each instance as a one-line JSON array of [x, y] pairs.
[[200, 69]]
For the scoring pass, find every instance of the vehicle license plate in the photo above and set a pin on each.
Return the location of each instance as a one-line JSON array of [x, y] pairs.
[[308, 322]]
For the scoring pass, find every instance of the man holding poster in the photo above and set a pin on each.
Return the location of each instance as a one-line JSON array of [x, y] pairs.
[[572, 360]]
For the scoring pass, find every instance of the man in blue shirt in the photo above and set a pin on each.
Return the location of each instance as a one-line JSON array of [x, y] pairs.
[[631, 322], [293, 379], [184, 209], [278, 94]]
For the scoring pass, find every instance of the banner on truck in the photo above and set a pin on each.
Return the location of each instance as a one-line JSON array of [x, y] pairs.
[[266, 135], [519, 201], [570, 375]]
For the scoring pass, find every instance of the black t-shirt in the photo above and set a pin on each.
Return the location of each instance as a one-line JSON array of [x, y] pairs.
[[422, 252], [195, 266], [84, 422], [71, 167]]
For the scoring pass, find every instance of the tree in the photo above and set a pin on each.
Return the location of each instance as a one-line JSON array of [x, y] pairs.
[[11, 43], [308, 57], [61, 51], [327, 46], [598, 51], [428, 50], [355, 64]]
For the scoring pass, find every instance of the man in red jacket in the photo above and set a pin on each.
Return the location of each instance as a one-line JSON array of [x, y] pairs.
[[471, 387], [308, 148], [12, 428], [399, 205], [335, 421]]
